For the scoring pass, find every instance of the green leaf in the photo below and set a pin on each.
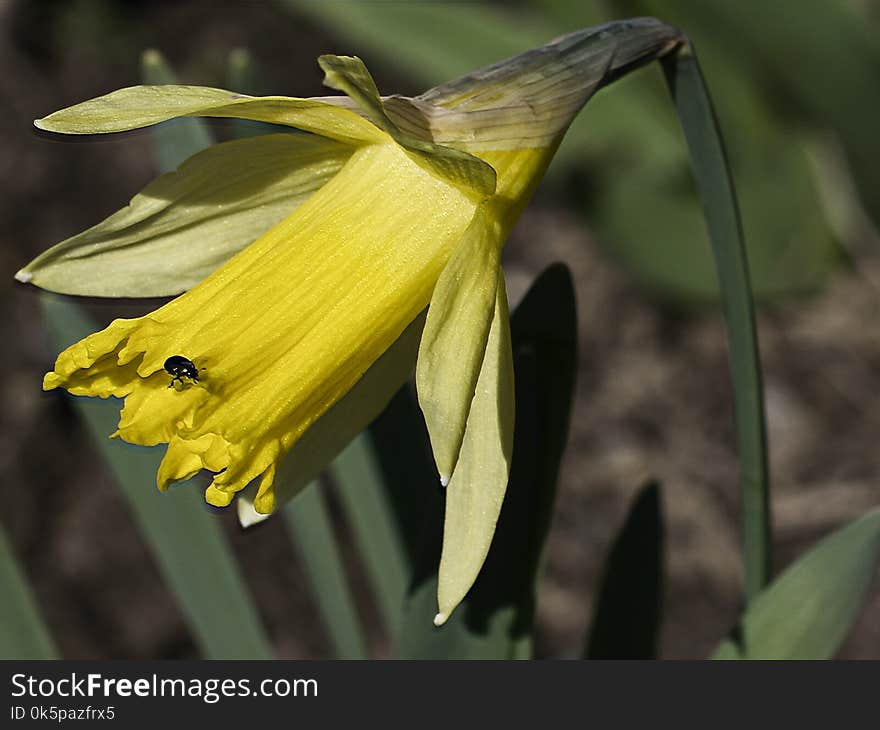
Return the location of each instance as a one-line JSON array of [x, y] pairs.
[[23, 634], [312, 531], [715, 188], [496, 618], [360, 488], [627, 618], [403, 456], [807, 611], [178, 139], [184, 536]]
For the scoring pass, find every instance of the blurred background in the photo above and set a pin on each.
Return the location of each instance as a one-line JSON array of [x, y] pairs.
[[795, 86]]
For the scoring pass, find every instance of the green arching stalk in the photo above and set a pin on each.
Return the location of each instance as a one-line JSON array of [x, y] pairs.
[[718, 198]]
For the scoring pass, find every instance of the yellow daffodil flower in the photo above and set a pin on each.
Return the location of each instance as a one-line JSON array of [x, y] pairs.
[[308, 261]]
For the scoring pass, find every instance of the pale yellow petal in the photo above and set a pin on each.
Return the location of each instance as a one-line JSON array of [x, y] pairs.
[[142, 106], [454, 340], [284, 331], [476, 491], [185, 224]]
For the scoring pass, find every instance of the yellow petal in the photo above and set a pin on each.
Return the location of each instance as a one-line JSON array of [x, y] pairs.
[[332, 432], [283, 330], [184, 224], [476, 490], [289, 334], [454, 339], [186, 457]]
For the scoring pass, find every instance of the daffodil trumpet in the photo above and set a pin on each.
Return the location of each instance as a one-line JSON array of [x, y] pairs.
[[319, 267]]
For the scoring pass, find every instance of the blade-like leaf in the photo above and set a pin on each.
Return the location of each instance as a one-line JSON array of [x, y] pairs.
[[627, 616], [176, 140], [403, 454], [360, 487], [23, 635], [496, 618], [312, 532], [185, 538], [715, 188], [808, 610]]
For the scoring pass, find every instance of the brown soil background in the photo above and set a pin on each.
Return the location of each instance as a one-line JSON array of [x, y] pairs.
[[653, 397]]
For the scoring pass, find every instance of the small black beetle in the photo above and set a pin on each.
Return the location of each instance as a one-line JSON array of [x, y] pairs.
[[180, 367]]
